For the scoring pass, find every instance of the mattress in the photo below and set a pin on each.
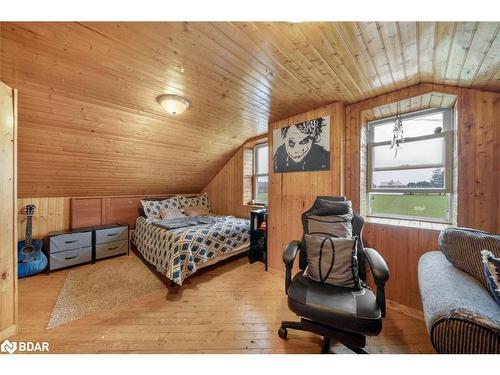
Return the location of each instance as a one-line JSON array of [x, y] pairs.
[[179, 253]]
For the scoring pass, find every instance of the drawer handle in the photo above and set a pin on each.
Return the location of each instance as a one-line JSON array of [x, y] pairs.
[[112, 234], [113, 248], [72, 241], [73, 257]]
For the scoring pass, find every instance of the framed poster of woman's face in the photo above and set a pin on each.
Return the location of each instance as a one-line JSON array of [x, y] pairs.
[[302, 147]]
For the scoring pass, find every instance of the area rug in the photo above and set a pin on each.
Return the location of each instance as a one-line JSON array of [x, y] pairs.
[[100, 286]]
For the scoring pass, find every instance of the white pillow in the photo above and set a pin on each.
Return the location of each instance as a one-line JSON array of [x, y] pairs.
[[195, 211], [171, 213]]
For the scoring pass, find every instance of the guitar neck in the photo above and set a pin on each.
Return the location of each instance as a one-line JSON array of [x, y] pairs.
[[28, 238]]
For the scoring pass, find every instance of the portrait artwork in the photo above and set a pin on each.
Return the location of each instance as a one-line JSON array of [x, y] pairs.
[[302, 147]]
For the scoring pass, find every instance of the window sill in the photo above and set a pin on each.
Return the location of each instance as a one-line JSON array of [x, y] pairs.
[[408, 223]]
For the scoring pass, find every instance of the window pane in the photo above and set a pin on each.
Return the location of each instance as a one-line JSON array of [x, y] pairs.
[[413, 127], [425, 178], [261, 189], [262, 154], [411, 205], [429, 151]]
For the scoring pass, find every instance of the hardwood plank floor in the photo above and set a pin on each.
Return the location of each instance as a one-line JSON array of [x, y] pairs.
[[233, 307]]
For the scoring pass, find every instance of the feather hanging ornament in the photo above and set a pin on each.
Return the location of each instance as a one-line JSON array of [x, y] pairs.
[[397, 134]]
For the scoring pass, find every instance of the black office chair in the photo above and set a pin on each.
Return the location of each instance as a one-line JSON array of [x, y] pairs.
[[336, 313]]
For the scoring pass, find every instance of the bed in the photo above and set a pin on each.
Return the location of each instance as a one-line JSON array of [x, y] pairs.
[[179, 252]]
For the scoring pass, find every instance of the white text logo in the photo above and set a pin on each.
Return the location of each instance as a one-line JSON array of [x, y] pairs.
[[24, 346]]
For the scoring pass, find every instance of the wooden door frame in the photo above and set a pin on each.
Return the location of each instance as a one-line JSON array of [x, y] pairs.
[[12, 329]]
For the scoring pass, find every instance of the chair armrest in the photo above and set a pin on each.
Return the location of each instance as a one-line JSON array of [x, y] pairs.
[[377, 264], [289, 256], [380, 273], [290, 253]]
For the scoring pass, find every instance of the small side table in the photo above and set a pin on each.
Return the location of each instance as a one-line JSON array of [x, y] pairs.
[[258, 236]]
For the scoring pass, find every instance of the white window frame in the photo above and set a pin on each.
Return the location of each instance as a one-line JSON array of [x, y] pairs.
[[446, 134], [256, 175]]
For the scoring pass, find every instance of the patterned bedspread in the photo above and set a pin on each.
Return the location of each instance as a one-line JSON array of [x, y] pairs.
[[178, 253]]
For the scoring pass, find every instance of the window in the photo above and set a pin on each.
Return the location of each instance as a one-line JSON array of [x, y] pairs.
[[260, 173], [415, 182]]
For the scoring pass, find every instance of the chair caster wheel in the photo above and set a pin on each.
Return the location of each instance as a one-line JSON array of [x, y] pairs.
[[282, 333]]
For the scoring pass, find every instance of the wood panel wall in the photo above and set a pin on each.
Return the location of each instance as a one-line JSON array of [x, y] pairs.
[[290, 194], [478, 142], [478, 182], [89, 121], [64, 213], [228, 192], [90, 124], [52, 214], [123, 209], [8, 194]]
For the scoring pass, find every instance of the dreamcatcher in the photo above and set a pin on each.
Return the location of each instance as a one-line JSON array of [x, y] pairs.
[[397, 133]]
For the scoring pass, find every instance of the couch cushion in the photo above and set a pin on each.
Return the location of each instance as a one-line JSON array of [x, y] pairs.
[[444, 288], [462, 247], [491, 268], [341, 308]]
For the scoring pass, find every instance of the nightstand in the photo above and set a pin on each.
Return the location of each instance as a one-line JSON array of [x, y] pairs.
[[258, 236]]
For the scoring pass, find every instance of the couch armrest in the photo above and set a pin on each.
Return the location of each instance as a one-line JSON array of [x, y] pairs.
[[380, 273], [289, 256], [457, 308]]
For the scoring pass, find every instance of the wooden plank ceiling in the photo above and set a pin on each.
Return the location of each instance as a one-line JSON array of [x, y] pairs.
[[413, 104], [89, 123]]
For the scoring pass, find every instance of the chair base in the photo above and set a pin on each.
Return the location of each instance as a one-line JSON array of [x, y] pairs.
[[354, 342]]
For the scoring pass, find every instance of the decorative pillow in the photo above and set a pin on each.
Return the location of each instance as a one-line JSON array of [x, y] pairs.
[[152, 208], [462, 247], [201, 200], [170, 213], [332, 260], [491, 268], [196, 211], [331, 225]]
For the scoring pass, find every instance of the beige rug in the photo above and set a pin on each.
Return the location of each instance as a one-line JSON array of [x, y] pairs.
[[100, 286]]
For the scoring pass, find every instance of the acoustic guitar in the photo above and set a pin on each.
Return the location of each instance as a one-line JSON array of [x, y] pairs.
[[30, 258]]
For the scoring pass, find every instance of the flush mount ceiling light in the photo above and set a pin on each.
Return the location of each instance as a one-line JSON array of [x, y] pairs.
[[173, 104]]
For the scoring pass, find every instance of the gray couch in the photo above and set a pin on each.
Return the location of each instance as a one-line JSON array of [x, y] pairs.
[[460, 314]]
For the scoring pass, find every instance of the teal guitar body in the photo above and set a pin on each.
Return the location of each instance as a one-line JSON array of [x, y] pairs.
[[30, 258]]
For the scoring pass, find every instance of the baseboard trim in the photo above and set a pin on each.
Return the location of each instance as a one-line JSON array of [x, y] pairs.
[[7, 332], [410, 311]]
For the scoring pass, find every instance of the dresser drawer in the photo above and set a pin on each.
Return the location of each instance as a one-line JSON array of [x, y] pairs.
[[70, 257], [111, 234], [110, 249], [70, 241]]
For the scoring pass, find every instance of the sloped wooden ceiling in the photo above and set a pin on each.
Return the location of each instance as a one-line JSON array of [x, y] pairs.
[[89, 123]]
